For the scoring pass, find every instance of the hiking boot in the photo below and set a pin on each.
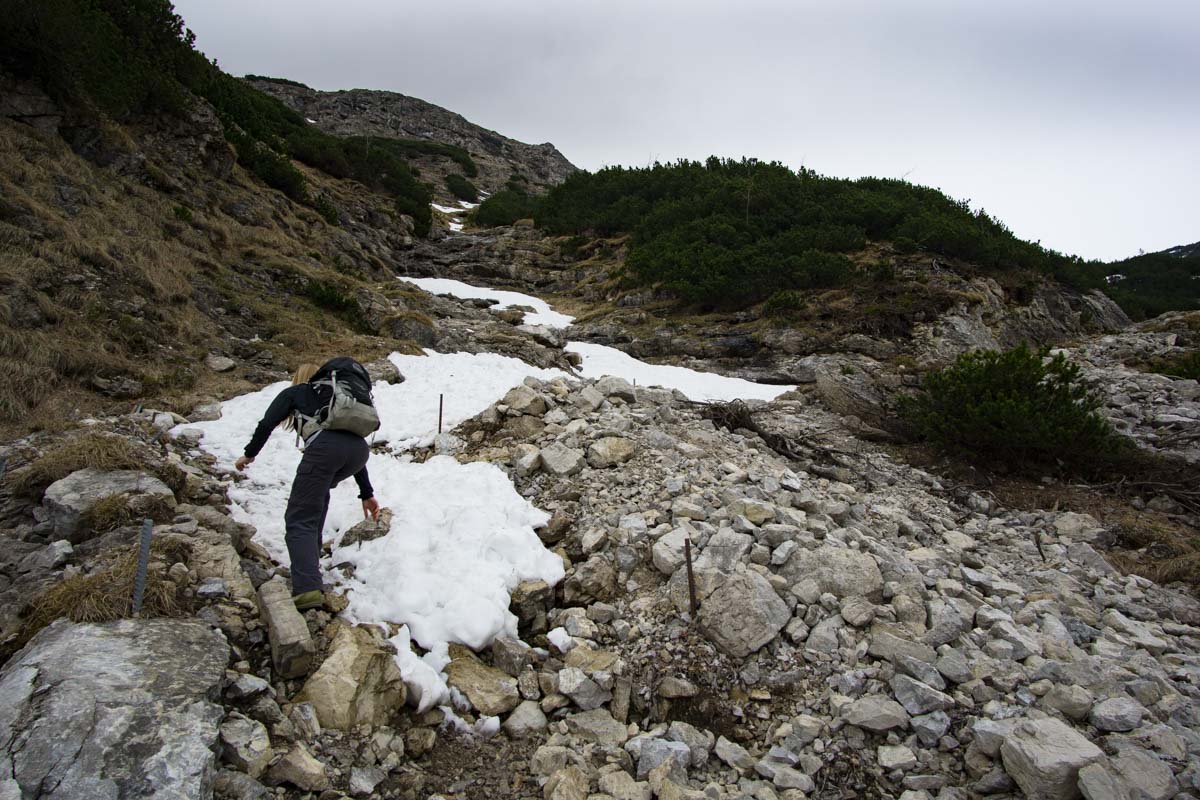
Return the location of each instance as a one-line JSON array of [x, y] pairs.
[[306, 600]]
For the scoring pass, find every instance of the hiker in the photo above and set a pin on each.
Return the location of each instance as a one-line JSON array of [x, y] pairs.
[[330, 408]]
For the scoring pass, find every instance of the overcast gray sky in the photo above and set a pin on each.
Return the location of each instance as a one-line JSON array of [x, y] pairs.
[[1076, 122]]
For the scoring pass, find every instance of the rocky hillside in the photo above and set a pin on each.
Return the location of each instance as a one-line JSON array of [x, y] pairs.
[[363, 112], [849, 626]]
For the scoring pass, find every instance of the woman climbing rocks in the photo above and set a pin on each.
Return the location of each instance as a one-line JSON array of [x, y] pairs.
[[331, 410]]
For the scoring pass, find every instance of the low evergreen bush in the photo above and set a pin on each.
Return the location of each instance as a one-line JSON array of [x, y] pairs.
[[462, 188], [1020, 408]]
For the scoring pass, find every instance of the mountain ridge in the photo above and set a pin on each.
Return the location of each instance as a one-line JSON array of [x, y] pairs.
[[374, 112]]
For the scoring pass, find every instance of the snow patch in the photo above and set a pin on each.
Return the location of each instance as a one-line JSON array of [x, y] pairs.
[[542, 314], [599, 360]]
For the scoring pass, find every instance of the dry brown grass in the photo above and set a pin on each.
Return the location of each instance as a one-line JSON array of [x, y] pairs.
[[124, 288], [1156, 548], [106, 593], [120, 510], [89, 451]]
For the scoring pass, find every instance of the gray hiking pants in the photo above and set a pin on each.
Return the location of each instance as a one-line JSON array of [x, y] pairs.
[[329, 458]]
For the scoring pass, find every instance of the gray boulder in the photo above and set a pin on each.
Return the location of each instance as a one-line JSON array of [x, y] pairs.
[[119, 709], [69, 499], [1044, 758], [560, 460], [743, 614], [838, 570]]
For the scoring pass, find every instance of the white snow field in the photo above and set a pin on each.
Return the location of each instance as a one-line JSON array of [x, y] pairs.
[[461, 538], [542, 314], [599, 360]]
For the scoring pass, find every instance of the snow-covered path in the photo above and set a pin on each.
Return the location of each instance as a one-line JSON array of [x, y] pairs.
[[462, 538]]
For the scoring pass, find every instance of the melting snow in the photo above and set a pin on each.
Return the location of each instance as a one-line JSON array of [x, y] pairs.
[[599, 360], [542, 314], [461, 538]]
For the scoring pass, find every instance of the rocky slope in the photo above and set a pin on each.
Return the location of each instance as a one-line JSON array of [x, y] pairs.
[[362, 112], [862, 628]]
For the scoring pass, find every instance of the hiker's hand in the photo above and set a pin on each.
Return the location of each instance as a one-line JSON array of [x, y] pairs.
[[371, 508], [242, 463]]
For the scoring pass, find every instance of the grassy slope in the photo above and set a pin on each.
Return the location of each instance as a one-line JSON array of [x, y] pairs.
[[118, 281]]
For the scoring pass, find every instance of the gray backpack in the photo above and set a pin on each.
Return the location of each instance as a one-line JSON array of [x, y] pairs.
[[344, 387]]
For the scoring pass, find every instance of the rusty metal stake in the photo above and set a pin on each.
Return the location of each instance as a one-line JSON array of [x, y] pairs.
[[687, 554], [440, 412]]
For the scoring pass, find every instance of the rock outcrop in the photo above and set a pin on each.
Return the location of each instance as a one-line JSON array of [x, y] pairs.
[[362, 112], [122, 709]]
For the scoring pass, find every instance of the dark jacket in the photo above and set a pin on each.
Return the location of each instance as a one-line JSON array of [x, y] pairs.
[[302, 398]]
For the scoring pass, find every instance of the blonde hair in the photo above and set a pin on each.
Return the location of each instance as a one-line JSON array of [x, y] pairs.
[[303, 374]]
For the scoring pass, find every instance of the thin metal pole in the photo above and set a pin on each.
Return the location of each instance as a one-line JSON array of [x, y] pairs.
[[687, 554], [139, 584], [440, 397]]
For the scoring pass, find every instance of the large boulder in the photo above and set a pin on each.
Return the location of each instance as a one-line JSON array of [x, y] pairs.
[[358, 683], [119, 709], [743, 613], [838, 570], [69, 499], [1044, 758]]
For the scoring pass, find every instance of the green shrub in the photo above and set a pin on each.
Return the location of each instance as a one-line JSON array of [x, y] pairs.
[[462, 188], [1018, 408], [1179, 366], [182, 213], [504, 208], [325, 207], [784, 303]]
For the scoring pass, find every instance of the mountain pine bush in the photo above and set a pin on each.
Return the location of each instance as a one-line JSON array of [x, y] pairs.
[[1019, 408]]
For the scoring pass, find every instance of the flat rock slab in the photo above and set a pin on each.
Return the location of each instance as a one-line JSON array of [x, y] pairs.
[[119, 709], [1045, 756], [70, 498]]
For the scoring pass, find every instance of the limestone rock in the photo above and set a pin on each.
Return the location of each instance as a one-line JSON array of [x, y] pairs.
[[838, 570], [292, 647], [67, 500], [301, 770], [584, 691], [610, 451], [1044, 758], [668, 552], [368, 530], [1117, 714], [612, 386], [358, 683], [621, 786], [526, 720], [491, 691], [743, 614], [117, 709], [245, 744], [876, 713], [569, 783], [560, 460], [655, 752], [525, 400], [597, 726], [734, 755], [363, 780], [219, 363]]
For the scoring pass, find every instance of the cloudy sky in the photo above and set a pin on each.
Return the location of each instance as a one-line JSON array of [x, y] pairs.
[[1076, 122]]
